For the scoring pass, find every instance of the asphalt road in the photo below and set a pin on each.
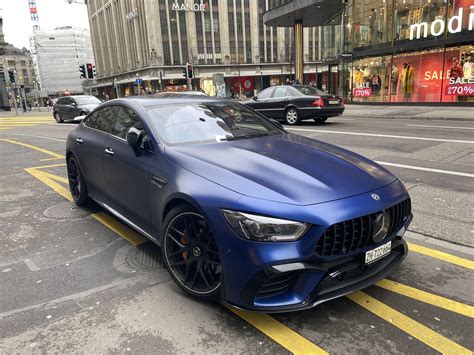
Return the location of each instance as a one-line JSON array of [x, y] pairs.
[[74, 280]]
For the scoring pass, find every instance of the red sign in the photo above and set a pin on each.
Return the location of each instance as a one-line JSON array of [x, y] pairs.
[[362, 92], [243, 84], [460, 90]]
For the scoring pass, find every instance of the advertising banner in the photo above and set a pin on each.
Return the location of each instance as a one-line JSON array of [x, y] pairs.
[[362, 92]]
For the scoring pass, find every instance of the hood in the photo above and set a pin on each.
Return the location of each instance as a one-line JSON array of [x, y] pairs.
[[285, 168], [88, 107]]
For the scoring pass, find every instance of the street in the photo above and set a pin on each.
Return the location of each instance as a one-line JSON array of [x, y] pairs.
[[76, 280]]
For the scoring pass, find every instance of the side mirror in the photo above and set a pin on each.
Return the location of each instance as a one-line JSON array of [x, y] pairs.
[[73, 104], [255, 98], [134, 139]]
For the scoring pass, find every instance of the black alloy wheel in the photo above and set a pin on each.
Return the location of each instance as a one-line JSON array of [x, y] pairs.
[[58, 117], [190, 253], [77, 185], [320, 120], [292, 116]]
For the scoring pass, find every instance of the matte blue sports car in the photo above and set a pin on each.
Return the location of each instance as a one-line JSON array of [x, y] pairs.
[[244, 211]]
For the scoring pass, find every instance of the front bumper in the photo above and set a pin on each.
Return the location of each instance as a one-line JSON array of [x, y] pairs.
[[336, 279]]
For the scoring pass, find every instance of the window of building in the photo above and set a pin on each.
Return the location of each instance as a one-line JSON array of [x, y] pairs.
[[372, 79]]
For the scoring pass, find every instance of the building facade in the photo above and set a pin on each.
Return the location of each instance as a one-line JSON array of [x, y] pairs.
[[152, 40], [20, 61], [59, 53]]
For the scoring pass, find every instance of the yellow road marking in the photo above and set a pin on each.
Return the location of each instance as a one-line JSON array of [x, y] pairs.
[[121, 229], [46, 179], [408, 325], [4, 129], [279, 332], [449, 258], [47, 166], [6, 125], [56, 155], [426, 297]]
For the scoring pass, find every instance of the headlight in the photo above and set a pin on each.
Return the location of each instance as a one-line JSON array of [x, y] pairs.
[[264, 229]]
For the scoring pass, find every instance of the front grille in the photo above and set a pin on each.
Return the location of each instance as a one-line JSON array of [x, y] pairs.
[[275, 285], [345, 237]]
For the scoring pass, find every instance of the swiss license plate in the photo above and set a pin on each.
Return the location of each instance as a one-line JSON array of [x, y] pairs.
[[378, 252], [333, 102]]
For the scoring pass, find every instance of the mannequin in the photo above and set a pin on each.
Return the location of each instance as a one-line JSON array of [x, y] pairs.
[[467, 68], [375, 82], [394, 79], [407, 77], [373, 26], [456, 69]]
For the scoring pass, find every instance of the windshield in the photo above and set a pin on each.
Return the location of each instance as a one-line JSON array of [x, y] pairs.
[[309, 90], [193, 123], [87, 100]]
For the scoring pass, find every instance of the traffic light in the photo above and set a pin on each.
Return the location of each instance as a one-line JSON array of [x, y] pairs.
[[185, 72], [94, 72], [82, 70], [90, 72], [189, 68], [11, 76]]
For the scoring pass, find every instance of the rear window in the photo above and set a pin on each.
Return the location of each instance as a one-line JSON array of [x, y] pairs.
[[309, 90]]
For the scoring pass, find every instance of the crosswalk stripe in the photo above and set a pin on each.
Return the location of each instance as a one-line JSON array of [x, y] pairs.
[[426, 297], [408, 325]]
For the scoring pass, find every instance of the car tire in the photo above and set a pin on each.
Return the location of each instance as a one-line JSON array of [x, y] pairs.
[[77, 184], [320, 120], [292, 116], [58, 117], [190, 253]]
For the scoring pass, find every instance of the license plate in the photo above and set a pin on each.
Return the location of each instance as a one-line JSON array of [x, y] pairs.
[[378, 252], [333, 102]]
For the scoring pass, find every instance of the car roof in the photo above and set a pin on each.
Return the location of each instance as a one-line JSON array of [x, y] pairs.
[[148, 101]]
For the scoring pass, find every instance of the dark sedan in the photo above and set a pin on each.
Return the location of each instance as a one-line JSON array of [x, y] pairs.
[[296, 103], [244, 211], [69, 107]]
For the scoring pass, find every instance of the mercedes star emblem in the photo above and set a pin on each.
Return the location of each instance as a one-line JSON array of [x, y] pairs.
[[375, 197], [381, 226]]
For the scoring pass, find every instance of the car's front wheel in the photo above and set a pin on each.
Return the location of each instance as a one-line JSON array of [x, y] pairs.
[[77, 184], [292, 116], [190, 253], [58, 117]]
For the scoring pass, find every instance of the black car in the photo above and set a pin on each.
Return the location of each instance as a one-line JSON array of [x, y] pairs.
[[296, 103], [69, 107]]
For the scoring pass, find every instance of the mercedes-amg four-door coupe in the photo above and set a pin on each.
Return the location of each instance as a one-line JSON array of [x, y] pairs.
[[244, 211]]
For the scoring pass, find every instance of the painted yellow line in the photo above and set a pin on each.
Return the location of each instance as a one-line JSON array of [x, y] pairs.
[[46, 179], [426, 297], [6, 125], [121, 229], [449, 258], [48, 166], [408, 325], [56, 155], [4, 129], [280, 333], [56, 177]]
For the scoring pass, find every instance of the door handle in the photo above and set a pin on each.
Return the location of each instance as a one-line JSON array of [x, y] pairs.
[[109, 152], [79, 140]]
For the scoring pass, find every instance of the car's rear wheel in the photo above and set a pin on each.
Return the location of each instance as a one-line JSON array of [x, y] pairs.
[[190, 253], [58, 117], [320, 120], [292, 116], [77, 185]]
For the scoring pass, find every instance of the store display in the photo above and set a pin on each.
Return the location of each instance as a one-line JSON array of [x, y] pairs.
[[456, 70], [394, 80], [408, 73]]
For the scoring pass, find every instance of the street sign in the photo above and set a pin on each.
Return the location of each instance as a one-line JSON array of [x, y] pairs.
[[138, 81]]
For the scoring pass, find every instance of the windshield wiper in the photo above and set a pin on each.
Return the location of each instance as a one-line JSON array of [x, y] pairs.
[[249, 136]]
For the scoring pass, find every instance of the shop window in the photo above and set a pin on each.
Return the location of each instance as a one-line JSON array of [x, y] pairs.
[[371, 23], [458, 85], [372, 80]]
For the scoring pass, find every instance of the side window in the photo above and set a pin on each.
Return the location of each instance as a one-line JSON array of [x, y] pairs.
[[102, 120], [60, 101], [291, 92], [265, 94], [126, 118], [280, 92]]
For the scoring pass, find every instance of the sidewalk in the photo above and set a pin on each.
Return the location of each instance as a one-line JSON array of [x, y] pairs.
[[455, 113], [34, 112]]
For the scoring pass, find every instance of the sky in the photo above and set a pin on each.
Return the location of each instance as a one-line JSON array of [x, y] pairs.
[[17, 26]]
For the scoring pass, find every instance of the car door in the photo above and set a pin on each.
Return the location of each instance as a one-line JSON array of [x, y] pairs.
[[260, 103], [127, 175], [61, 107], [277, 102], [90, 142], [73, 108]]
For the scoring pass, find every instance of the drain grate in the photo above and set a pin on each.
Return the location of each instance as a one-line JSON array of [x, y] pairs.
[[146, 256], [66, 210]]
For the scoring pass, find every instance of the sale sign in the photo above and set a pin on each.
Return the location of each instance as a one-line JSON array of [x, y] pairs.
[[362, 92], [460, 90]]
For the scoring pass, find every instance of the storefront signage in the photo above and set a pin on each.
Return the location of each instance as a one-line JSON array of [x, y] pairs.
[[362, 92], [182, 6], [346, 56], [132, 14], [460, 90], [438, 26]]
